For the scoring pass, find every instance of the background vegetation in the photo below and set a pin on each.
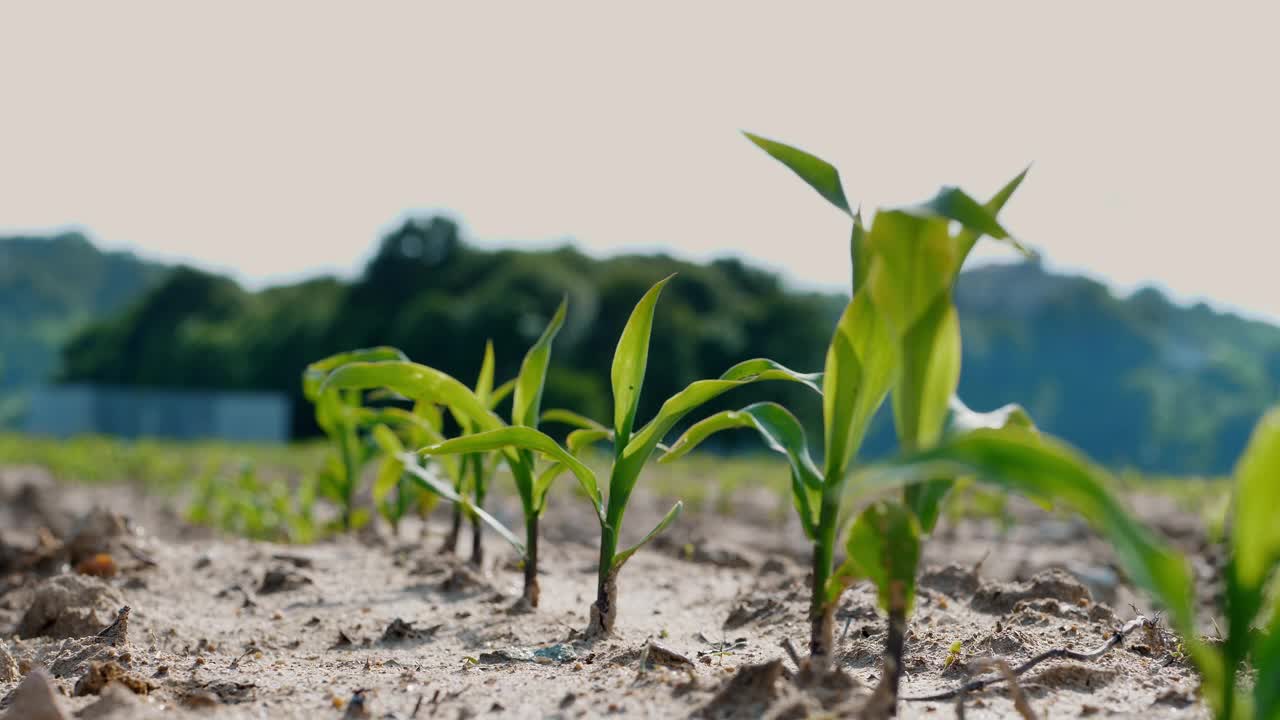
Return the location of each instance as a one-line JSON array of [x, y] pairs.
[[1180, 387]]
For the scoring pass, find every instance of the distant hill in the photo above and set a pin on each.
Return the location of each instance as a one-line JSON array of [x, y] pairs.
[[51, 287], [1136, 382]]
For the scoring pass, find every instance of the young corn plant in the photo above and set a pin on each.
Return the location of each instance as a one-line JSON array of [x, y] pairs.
[[474, 411], [338, 415], [631, 447], [475, 470], [902, 262]]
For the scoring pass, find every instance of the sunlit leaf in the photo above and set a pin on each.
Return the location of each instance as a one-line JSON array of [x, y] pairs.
[[425, 479], [418, 382], [524, 438], [630, 359], [527, 403], [819, 174], [969, 237], [569, 417], [314, 375], [860, 368]]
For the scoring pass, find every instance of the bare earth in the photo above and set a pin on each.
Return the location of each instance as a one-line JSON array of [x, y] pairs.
[[388, 628]]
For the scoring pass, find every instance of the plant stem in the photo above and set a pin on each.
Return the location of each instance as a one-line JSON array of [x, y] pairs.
[[477, 547], [480, 491], [894, 647], [531, 589], [822, 611], [450, 544], [604, 611]]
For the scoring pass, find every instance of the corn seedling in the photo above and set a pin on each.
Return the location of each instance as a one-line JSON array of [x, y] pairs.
[[336, 414], [900, 334], [632, 448], [473, 471], [475, 414]]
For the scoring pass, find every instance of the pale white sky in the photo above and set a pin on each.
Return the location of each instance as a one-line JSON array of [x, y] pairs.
[[278, 139]]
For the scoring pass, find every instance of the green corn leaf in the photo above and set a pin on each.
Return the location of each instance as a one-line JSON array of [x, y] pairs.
[[783, 434], [314, 375], [527, 439], [630, 360], [884, 547], [527, 403], [968, 237], [1255, 535], [389, 473], [584, 437], [1019, 460], [858, 253], [429, 482], [646, 439], [964, 420], [670, 517], [418, 382], [955, 204], [484, 381], [819, 174], [860, 368], [501, 393], [930, 373], [758, 369], [569, 417], [543, 484], [916, 260]]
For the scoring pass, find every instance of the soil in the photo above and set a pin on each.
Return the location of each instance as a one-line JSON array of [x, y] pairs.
[[181, 622]]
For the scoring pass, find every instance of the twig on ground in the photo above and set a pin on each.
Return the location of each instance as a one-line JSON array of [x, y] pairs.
[[1117, 638], [1020, 702]]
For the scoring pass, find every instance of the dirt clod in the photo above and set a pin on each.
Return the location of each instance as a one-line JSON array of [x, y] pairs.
[[69, 606], [401, 631], [8, 666], [1000, 598], [35, 699], [747, 694], [101, 674], [282, 579]]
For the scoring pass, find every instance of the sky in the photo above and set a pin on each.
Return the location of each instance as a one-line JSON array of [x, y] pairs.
[[278, 140]]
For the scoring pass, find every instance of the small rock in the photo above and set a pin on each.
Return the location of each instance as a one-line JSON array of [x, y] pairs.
[[401, 631], [35, 699], [69, 606], [659, 654], [556, 653]]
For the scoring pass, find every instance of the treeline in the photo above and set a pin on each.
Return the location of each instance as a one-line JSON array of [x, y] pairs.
[[439, 300], [1137, 382]]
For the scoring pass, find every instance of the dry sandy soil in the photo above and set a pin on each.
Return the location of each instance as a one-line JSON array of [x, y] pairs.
[[372, 626]]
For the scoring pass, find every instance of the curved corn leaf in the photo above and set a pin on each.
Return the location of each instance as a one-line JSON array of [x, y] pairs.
[[916, 260], [418, 382], [783, 434], [884, 547], [630, 359], [969, 237], [314, 374], [860, 368], [525, 438], [819, 174], [527, 403], [965, 420], [858, 254], [955, 204], [501, 392], [392, 468], [1040, 468], [663, 524], [758, 369], [584, 437], [426, 480], [569, 417]]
